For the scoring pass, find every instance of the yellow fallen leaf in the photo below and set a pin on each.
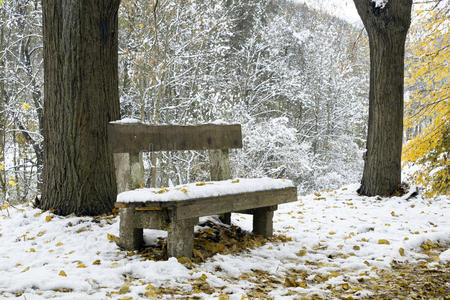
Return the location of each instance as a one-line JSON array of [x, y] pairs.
[[200, 184], [289, 282], [224, 297], [124, 289], [334, 274], [331, 233], [126, 298], [96, 262], [32, 250], [112, 238], [235, 181], [62, 273], [48, 218], [302, 252], [24, 270], [151, 291], [58, 244], [401, 251], [425, 246], [81, 266], [383, 242], [356, 247]]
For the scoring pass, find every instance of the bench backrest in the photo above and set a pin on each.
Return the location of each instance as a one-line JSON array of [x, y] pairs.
[[134, 138], [128, 140]]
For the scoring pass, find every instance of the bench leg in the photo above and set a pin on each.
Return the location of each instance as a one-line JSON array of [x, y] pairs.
[[262, 221], [180, 237], [225, 218], [130, 238]]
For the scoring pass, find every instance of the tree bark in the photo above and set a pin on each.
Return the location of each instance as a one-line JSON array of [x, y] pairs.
[[387, 28], [80, 97]]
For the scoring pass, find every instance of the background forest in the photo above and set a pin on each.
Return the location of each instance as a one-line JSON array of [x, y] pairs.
[[294, 77]]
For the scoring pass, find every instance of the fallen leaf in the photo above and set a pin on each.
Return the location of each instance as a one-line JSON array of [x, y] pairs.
[[26, 269], [62, 273], [383, 242], [112, 238], [48, 218], [124, 289]]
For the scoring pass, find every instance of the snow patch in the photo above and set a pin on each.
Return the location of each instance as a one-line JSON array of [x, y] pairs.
[[127, 121], [203, 190]]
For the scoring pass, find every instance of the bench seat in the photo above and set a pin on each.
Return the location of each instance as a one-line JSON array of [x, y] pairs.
[[177, 209]]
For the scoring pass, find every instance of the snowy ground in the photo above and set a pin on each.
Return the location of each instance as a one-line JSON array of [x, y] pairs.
[[337, 237]]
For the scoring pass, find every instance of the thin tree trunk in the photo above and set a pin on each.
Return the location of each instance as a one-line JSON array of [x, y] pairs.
[[80, 97], [387, 28]]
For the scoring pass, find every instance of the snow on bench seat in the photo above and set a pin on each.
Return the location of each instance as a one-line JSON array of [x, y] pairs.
[[202, 190]]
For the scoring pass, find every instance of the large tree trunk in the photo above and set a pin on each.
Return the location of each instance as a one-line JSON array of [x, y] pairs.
[[80, 97], [387, 28]]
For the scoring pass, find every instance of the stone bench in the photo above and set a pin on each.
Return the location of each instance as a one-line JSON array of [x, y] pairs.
[[177, 209]]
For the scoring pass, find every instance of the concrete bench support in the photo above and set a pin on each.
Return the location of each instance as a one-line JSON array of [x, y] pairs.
[[262, 221], [130, 237], [180, 237]]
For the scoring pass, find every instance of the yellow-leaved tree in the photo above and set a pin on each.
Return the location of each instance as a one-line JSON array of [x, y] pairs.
[[427, 109]]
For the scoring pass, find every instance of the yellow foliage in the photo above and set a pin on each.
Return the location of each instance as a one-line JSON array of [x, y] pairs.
[[427, 110]]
